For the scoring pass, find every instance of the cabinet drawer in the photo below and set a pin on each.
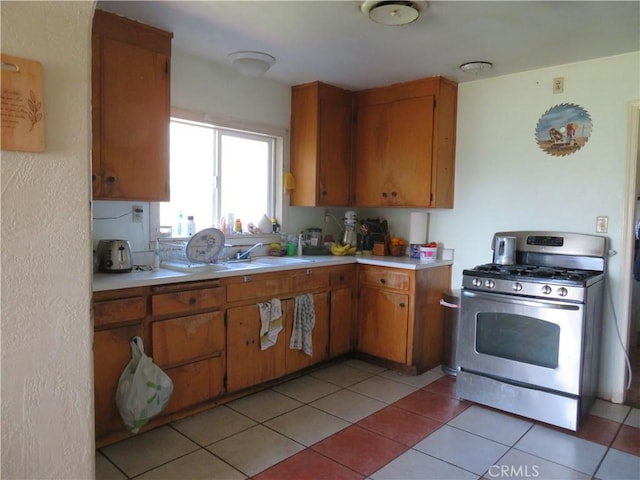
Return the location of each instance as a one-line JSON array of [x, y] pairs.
[[310, 279], [119, 311], [384, 277], [253, 287], [195, 383], [343, 276], [185, 339], [187, 301]]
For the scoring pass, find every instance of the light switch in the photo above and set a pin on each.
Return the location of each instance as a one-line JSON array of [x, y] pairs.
[[558, 85], [602, 224]]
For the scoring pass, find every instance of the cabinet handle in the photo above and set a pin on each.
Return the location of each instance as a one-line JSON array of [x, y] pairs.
[[384, 194], [192, 301], [94, 177], [394, 194], [402, 305], [383, 281], [111, 179], [309, 271], [324, 193]]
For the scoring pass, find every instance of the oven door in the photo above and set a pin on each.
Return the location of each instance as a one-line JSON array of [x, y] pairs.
[[530, 342]]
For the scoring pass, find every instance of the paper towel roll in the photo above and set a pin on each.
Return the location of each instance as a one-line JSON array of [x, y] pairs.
[[418, 227]]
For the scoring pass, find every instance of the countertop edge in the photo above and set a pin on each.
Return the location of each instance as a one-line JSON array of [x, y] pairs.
[[116, 281]]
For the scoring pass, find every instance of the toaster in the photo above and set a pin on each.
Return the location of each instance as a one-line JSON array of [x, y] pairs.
[[114, 256]]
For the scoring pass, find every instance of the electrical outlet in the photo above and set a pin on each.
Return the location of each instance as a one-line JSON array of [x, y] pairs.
[[136, 213], [558, 85], [602, 224]]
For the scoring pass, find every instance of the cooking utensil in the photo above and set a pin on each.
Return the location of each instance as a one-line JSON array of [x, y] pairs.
[[114, 256], [504, 251]]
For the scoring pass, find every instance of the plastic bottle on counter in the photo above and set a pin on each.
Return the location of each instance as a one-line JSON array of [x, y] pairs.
[[180, 230], [156, 255], [191, 225], [300, 244], [275, 226], [238, 226]]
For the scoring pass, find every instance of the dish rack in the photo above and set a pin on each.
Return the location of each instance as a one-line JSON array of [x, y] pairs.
[[173, 255]]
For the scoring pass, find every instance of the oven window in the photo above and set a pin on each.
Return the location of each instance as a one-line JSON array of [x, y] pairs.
[[518, 337]]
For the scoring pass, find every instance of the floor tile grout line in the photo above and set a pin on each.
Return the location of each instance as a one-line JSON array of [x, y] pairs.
[[114, 464]]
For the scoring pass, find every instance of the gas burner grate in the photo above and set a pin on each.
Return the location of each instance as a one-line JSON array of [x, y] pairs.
[[534, 272]]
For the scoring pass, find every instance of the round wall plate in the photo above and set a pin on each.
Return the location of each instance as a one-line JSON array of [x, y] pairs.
[[205, 245]]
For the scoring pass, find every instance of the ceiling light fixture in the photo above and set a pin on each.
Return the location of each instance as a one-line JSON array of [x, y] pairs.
[[251, 63], [393, 12], [476, 67]]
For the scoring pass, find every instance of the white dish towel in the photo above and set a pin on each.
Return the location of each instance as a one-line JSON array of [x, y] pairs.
[[304, 319], [270, 322]]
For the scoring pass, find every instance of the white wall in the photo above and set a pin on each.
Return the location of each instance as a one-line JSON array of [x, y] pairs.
[[504, 181], [47, 364]]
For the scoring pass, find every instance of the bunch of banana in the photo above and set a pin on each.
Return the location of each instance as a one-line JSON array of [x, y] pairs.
[[347, 249]]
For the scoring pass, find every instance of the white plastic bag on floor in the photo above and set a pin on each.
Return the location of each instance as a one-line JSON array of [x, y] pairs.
[[144, 390]]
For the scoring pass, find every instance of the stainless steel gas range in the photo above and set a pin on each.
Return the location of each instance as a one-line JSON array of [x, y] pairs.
[[530, 332]]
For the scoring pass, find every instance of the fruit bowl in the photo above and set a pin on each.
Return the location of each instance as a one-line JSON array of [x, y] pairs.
[[396, 250]]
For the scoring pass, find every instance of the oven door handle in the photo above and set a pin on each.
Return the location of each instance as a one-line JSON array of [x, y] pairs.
[[496, 297]]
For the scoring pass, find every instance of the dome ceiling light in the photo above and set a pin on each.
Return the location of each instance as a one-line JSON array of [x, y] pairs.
[[477, 67], [393, 12], [251, 63]]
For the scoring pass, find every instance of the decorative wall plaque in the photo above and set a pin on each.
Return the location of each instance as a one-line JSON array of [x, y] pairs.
[[563, 129], [21, 105]]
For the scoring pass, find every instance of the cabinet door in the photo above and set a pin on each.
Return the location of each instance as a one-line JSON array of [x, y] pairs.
[[341, 315], [297, 359], [180, 340], [195, 383], [134, 126], [407, 171], [383, 317], [247, 364], [370, 150], [393, 153], [111, 354], [335, 147], [320, 144]]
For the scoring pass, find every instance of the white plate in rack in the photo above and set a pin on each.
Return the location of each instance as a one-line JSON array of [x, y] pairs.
[[205, 245]]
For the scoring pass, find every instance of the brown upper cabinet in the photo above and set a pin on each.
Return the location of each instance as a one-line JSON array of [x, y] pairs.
[[131, 109], [404, 145], [391, 146], [320, 145]]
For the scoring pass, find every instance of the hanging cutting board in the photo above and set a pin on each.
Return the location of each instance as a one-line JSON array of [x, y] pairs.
[[21, 105]]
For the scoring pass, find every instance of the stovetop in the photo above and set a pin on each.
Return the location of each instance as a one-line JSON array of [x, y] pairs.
[[557, 283], [533, 273]]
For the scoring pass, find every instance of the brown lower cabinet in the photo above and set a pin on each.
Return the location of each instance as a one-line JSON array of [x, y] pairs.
[[247, 364], [399, 314], [195, 383], [111, 353], [205, 334]]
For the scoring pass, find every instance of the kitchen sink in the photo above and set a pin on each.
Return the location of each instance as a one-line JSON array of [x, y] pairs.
[[280, 260], [191, 268]]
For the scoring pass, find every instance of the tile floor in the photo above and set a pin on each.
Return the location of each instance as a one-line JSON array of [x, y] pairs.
[[354, 420]]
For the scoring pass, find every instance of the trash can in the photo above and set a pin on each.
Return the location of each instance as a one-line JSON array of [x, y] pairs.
[[451, 304]]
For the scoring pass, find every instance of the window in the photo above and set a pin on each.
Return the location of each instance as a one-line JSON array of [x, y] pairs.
[[216, 171]]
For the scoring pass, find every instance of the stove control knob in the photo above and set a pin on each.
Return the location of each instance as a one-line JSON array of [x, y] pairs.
[[516, 287], [546, 289], [563, 292], [489, 283], [476, 282]]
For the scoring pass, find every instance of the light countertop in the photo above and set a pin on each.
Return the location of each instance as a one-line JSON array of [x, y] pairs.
[[162, 276]]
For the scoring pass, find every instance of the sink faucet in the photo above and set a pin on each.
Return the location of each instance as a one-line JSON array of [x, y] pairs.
[[245, 255]]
